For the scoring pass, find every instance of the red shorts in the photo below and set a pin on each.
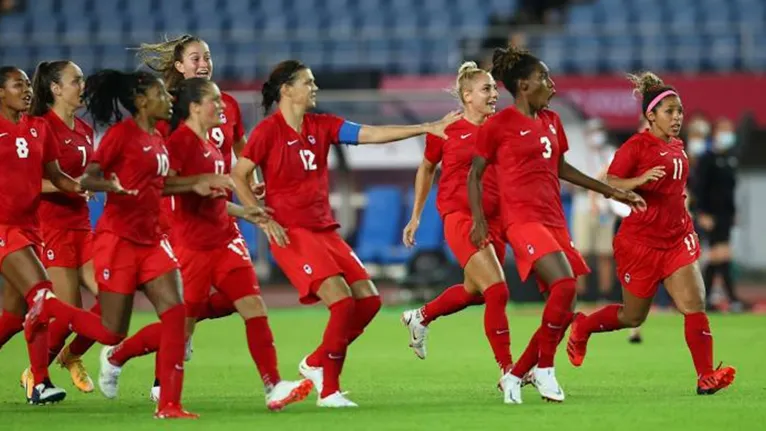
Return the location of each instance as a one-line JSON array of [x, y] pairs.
[[228, 269], [122, 266], [311, 257], [531, 241], [640, 268], [14, 238], [67, 248], [457, 232]]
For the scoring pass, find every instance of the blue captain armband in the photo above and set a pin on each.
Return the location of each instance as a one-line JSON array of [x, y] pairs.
[[349, 133]]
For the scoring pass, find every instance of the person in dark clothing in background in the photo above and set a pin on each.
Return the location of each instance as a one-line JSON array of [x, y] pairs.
[[716, 181]]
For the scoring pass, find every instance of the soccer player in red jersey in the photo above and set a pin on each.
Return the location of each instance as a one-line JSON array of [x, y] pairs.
[[526, 143], [128, 250], [29, 153], [209, 247], [658, 245], [65, 219], [291, 147], [484, 278]]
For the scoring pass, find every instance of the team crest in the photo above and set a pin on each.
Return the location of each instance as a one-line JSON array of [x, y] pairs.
[[627, 278], [50, 255], [553, 129], [106, 274], [223, 118], [33, 132], [2, 242], [87, 138], [307, 269], [530, 249], [312, 140]]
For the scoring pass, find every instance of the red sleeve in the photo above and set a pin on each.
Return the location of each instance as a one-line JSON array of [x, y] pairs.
[[434, 146], [50, 146], [561, 135], [623, 164], [330, 124], [257, 146], [486, 144], [108, 149], [174, 144]]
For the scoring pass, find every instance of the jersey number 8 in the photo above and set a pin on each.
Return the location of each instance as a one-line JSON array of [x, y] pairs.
[[22, 148]]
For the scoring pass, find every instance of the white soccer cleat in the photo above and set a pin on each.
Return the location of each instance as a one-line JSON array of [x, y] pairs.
[[285, 393], [315, 374], [510, 385], [154, 394], [336, 400], [109, 376], [46, 393], [529, 378], [546, 383], [418, 332]]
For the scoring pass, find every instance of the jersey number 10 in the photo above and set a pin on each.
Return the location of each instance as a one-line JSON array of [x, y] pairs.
[[163, 165]]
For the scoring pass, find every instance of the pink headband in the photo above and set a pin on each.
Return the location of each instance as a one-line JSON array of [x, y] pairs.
[[659, 98]]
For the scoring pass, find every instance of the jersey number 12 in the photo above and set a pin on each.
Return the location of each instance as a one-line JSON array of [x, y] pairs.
[[307, 157]]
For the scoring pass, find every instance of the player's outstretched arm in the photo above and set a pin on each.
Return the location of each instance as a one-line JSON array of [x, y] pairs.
[[629, 184], [479, 230], [385, 134], [59, 180], [571, 174], [93, 181], [424, 179], [212, 185], [255, 215]]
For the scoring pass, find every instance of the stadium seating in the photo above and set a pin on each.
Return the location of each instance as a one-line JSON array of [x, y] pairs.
[[397, 36]]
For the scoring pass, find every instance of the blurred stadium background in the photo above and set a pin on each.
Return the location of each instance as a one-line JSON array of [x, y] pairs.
[[390, 61]]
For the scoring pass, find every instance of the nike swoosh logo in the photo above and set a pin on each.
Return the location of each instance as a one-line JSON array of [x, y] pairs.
[[525, 132], [291, 142], [207, 154], [552, 326], [147, 148], [465, 136], [662, 154], [2, 134], [67, 141], [501, 332], [331, 356]]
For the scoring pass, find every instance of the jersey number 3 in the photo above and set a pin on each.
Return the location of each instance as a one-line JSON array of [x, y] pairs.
[[308, 157], [548, 151]]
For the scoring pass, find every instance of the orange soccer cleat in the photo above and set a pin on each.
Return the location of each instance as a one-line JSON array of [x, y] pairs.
[[174, 411], [577, 345], [718, 379]]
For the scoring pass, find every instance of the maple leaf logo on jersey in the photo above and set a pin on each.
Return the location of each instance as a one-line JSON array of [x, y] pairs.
[[553, 129], [223, 118], [33, 132], [530, 249], [627, 278], [49, 254], [312, 140], [106, 274], [307, 269], [2, 242], [87, 138]]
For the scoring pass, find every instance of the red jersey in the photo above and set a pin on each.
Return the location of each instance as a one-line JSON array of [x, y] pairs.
[[295, 168], [666, 220], [75, 147], [527, 152], [199, 222], [25, 148], [140, 161], [455, 155]]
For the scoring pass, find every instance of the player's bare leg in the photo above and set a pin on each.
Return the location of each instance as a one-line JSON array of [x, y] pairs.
[[630, 314], [687, 289], [337, 296]]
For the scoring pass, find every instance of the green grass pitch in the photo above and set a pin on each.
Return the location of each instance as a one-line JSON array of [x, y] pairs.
[[620, 387]]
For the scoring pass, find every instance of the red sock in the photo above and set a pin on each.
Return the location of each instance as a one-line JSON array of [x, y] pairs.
[[172, 346], [82, 322], [452, 300], [10, 325], [604, 320], [58, 331], [145, 341], [335, 343], [216, 306], [260, 341], [555, 315], [531, 354], [81, 344], [700, 342], [38, 355], [365, 310], [496, 324]]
